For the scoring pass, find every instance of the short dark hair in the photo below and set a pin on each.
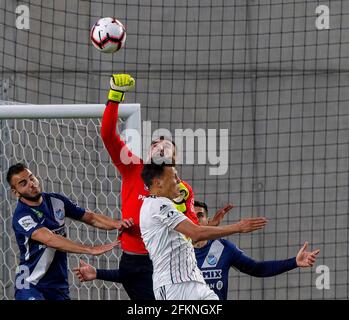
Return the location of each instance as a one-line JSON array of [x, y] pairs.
[[15, 169], [201, 205], [151, 171]]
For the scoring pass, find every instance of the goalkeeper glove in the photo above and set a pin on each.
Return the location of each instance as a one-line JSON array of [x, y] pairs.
[[180, 201], [119, 84]]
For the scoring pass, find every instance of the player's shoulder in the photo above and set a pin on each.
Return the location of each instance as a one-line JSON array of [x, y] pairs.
[[134, 169], [53, 195], [226, 242], [20, 211], [57, 198], [159, 200], [23, 216], [206, 247], [165, 202], [158, 203], [230, 245]]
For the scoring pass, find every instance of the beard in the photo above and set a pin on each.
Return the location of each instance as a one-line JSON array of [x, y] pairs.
[[31, 198]]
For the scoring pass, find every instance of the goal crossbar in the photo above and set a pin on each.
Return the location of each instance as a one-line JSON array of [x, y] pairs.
[[130, 113], [59, 111]]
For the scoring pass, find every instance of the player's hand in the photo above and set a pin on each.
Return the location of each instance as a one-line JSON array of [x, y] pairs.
[[85, 272], [119, 84], [124, 224], [251, 224], [97, 250], [219, 215], [306, 259]]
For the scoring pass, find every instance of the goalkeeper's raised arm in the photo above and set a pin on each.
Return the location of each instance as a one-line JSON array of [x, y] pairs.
[[117, 149], [135, 265]]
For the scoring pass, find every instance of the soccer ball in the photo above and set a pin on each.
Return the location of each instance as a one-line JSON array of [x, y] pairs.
[[108, 35]]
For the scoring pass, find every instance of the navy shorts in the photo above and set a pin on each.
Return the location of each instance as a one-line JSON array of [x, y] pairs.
[[42, 294]]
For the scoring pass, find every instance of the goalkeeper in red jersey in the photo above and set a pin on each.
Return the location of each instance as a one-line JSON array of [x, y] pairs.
[[135, 268]]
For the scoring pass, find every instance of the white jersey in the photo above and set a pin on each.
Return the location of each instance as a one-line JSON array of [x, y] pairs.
[[171, 252]]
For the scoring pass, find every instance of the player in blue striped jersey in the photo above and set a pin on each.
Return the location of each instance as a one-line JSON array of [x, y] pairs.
[[39, 226], [216, 257]]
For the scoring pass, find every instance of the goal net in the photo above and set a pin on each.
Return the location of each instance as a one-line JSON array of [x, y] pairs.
[[68, 156], [273, 73]]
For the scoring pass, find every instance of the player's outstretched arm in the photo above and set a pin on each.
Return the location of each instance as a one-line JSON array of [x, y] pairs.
[[119, 84], [271, 268], [61, 243], [261, 269], [305, 258], [101, 221], [198, 233], [220, 214], [86, 272]]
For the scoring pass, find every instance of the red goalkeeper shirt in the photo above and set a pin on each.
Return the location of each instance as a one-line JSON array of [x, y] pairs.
[[133, 190]]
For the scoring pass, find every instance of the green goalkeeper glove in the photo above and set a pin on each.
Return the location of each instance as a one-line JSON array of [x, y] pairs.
[[119, 84]]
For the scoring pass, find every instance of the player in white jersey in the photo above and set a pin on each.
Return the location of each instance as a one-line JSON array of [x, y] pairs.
[[172, 254], [166, 233]]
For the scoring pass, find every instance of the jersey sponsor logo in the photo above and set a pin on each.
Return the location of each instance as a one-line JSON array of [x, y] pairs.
[[59, 214], [58, 210], [141, 197], [212, 274], [211, 260], [38, 213], [27, 223], [170, 213], [164, 206], [167, 208], [219, 285], [214, 254], [216, 285]]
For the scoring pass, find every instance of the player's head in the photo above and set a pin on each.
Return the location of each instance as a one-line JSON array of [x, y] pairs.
[[162, 180], [162, 150], [201, 212], [23, 183]]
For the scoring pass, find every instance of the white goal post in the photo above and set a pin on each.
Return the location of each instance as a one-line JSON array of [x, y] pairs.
[[61, 144], [130, 113]]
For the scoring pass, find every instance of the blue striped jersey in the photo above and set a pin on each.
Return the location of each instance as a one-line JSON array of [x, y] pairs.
[[39, 265]]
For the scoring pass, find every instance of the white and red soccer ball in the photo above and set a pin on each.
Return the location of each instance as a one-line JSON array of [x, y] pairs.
[[108, 35]]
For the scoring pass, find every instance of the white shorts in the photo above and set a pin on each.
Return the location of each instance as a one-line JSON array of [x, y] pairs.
[[191, 290]]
